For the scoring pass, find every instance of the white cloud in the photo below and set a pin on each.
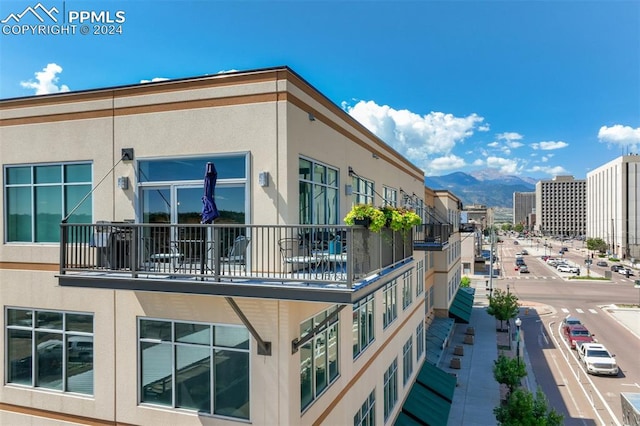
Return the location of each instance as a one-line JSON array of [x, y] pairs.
[[478, 162], [226, 71], [493, 144], [417, 137], [505, 165], [625, 136], [153, 80], [448, 162], [511, 139], [484, 127], [551, 171], [549, 145], [47, 81]]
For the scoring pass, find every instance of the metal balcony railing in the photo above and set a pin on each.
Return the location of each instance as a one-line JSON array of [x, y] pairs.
[[343, 256], [432, 236]]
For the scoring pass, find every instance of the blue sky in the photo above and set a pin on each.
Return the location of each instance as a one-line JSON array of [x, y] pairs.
[[528, 88]]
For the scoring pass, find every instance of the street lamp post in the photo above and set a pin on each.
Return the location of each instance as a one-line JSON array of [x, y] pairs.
[[518, 324]]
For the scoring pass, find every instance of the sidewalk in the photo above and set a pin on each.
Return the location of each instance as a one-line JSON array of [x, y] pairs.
[[477, 392]]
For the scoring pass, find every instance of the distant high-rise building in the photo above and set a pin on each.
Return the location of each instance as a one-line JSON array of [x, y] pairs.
[[561, 206], [613, 205], [524, 204]]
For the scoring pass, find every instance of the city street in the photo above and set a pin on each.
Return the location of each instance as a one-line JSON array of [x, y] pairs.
[[581, 398]]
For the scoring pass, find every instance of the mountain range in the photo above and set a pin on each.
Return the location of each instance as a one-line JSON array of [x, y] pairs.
[[486, 187]]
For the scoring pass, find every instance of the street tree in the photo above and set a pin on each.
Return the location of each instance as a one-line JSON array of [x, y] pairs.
[[465, 282], [509, 372], [518, 227], [503, 306], [597, 244], [522, 409]]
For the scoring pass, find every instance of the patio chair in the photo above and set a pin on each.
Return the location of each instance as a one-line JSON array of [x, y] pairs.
[[297, 256], [237, 254]]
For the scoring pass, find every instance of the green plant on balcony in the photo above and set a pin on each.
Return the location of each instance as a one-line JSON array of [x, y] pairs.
[[366, 215], [401, 219], [376, 218]]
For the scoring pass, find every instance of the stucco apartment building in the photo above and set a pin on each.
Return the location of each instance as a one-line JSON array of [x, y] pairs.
[[561, 206], [613, 205], [120, 307]]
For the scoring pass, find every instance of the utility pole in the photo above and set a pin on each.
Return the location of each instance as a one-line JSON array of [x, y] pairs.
[[491, 239]]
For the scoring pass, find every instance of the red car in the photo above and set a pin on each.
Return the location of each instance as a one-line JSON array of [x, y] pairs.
[[577, 335]]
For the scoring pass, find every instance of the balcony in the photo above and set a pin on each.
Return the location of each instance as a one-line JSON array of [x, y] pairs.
[[432, 237], [338, 264]]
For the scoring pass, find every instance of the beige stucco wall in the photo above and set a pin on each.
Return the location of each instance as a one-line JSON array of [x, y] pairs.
[[275, 133]]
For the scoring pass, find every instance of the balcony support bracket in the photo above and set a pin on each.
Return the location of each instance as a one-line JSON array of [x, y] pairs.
[[296, 343], [264, 348]]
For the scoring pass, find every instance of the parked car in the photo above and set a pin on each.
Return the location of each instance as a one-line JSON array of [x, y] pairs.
[[569, 269], [563, 249], [602, 263], [515, 243], [615, 268], [524, 252], [597, 359], [524, 269], [578, 334], [569, 321]]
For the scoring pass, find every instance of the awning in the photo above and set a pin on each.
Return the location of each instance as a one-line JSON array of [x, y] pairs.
[[438, 335], [429, 400], [462, 305]]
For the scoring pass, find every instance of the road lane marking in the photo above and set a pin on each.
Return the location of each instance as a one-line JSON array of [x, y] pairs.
[[593, 311], [565, 310], [580, 311]]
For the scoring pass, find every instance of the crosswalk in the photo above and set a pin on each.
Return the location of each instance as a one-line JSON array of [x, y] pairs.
[[579, 311], [532, 277]]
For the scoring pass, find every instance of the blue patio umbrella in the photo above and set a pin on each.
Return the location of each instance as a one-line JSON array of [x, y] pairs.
[[209, 209]]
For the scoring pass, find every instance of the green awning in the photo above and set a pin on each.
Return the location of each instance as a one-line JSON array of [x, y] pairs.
[[429, 400], [439, 381], [462, 305]]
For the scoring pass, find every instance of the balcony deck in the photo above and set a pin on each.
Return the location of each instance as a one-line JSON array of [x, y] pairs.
[[338, 264]]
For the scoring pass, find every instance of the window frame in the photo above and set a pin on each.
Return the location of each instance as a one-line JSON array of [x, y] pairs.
[[389, 303], [363, 190], [308, 214], [65, 358], [33, 186], [366, 415], [407, 360], [175, 344], [390, 385], [323, 332], [363, 310]]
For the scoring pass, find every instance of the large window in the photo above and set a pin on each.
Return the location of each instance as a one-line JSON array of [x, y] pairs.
[[407, 289], [389, 303], [390, 196], [407, 360], [195, 366], [419, 277], [420, 340], [171, 189], [318, 203], [363, 324], [50, 349], [38, 197], [366, 415], [363, 191], [390, 388], [319, 356]]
